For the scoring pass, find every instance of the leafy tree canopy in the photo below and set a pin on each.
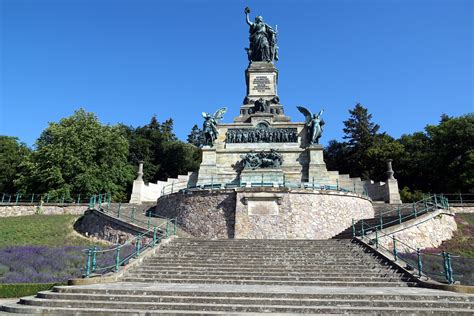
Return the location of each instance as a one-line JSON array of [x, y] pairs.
[[78, 155], [12, 153], [158, 147]]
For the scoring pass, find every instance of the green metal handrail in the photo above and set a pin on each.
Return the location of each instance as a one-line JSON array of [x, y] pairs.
[[394, 250], [212, 184], [427, 204], [459, 198], [42, 198], [431, 203], [154, 234]]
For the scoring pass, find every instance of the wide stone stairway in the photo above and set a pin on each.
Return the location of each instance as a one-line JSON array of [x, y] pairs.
[[191, 276]]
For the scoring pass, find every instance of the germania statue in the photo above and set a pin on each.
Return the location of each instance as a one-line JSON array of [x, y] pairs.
[[263, 40], [314, 123], [209, 127]]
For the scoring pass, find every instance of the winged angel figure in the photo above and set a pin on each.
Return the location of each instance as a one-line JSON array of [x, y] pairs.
[[314, 123], [209, 127]]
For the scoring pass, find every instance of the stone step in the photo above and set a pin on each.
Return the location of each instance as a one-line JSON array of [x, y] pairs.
[[246, 277], [267, 282], [428, 302], [257, 272], [137, 289], [149, 308], [271, 265], [249, 253], [275, 262]]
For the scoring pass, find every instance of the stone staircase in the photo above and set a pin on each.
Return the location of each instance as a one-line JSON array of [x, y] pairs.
[[235, 277], [274, 262]]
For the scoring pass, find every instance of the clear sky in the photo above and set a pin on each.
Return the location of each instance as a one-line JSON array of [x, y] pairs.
[[407, 61]]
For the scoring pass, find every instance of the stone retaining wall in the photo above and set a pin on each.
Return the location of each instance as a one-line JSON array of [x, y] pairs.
[[297, 214], [201, 213], [265, 212], [31, 209], [427, 231], [100, 226]]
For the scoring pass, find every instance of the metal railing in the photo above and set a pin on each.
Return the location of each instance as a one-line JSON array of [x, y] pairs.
[[434, 263], [437, 264], [101, 261], [215, 184], [43, 198], [397, 216], [459, 198]]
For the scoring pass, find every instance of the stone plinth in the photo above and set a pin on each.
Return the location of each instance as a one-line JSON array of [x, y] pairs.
[[266, 176], [207, 169], [317, 167], [261, 78]]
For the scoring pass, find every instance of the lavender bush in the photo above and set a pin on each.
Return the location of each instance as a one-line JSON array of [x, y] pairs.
[[40, 264]]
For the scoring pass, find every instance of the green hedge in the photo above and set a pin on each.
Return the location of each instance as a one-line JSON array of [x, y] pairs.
[[24, 289]]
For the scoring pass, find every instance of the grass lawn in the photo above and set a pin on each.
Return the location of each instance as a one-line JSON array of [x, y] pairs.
[[40, 230], [38, 251]]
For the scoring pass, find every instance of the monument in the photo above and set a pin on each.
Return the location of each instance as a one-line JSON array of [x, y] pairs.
[[263, 175]]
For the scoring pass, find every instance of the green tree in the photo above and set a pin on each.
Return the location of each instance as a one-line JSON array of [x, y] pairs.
[[12, 153], [79, 155], [158, 147], [195, 136], [360, 133]]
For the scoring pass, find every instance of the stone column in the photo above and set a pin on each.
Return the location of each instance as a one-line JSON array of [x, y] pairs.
[[317, 167]]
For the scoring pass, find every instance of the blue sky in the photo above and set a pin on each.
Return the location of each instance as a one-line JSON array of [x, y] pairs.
[[406, 61]]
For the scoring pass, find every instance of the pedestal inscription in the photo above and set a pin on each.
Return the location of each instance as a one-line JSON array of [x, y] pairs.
[[261, 84], [262, 207]]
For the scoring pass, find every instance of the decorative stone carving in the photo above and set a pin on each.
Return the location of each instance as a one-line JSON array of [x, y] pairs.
[[261, 135]]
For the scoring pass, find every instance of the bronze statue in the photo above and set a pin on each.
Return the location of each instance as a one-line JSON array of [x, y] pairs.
[[263, 41], [263, 159], [209, 127], [314, 123]]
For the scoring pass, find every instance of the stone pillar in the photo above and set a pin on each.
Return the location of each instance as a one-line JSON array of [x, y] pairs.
[[317, 167], [392, 193], [138, 186], [208, 168]]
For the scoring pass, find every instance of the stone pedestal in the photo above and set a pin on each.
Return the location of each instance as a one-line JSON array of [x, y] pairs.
[[317, 167], [265, 176], [261, 78], [137, 191], [393, 195], [208, 169]]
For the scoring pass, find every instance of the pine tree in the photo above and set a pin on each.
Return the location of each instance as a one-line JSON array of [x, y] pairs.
[[194, 136]]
